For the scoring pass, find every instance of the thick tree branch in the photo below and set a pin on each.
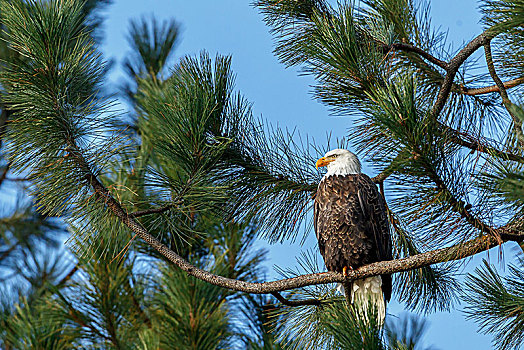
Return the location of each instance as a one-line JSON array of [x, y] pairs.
[[453, 67], [455, 252]]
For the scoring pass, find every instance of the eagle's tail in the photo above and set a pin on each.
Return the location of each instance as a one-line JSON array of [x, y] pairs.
[[367, 290]]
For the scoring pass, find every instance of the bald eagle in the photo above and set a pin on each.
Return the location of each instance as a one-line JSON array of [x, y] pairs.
[[352, 227]]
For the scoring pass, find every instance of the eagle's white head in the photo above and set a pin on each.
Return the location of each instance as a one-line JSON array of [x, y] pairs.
[[340, 162]]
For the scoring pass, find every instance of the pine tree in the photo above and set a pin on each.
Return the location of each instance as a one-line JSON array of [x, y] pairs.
[[163, 207]]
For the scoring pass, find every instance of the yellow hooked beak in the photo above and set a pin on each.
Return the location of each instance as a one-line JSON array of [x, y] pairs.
[[323, 162]]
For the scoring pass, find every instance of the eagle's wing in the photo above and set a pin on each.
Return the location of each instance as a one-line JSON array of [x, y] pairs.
[[374, 204], [340, 224]]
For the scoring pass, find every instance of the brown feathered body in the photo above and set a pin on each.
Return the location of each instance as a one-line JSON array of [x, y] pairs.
[[351, 224]]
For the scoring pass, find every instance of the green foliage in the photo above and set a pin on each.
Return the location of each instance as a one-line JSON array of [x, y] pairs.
[[303, 326], [406, 332], [192, 314], [28, 326], [262, 329], [152, 45], [496, 303], [427, 289], [52, 91], [211, 154]]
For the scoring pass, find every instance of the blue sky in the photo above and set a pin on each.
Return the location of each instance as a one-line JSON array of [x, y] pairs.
[[283, 97]]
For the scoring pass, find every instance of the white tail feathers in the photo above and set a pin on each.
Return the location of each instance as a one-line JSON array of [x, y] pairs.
[[368, 290]]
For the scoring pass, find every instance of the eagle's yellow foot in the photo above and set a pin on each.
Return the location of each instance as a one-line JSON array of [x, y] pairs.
[[345, 270]]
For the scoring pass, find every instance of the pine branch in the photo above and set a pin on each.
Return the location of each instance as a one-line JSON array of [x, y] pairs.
[[444, 65], [455, 252], [459, 206], [470, 142], [380, 178], [496, 304]]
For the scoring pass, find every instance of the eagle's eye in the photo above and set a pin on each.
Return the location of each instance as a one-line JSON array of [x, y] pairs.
[[334, 155]]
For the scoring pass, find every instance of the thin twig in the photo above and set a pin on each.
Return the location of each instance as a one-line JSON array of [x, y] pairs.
[[517, 123], [472, 143], [493, 88], [68, 276], [137, 214], [411, 48], [279, 297], [4, 173]]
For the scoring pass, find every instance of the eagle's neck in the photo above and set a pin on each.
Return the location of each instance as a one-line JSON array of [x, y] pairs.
[[346, 167]]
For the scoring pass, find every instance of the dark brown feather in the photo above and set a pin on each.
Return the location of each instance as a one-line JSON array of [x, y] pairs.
[[351, 224]]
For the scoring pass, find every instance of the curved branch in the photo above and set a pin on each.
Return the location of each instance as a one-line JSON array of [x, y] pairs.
[[453, 67], [455, 252]]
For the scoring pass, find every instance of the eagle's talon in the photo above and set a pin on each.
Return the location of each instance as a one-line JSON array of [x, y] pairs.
[[345, 270]]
